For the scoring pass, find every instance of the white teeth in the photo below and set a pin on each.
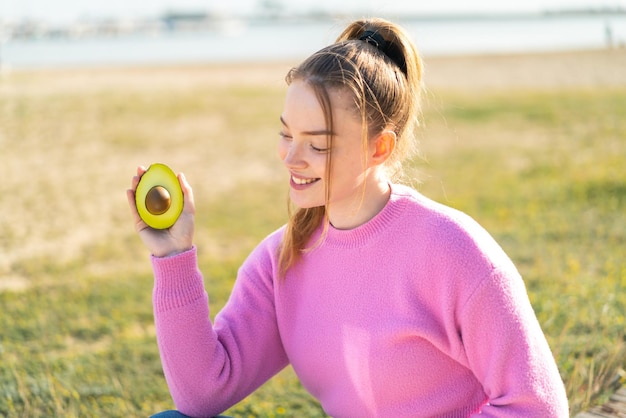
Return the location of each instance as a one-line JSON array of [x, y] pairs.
[[302, 181]]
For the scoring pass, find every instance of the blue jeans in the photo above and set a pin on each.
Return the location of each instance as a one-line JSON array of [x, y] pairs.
[[176, 414]]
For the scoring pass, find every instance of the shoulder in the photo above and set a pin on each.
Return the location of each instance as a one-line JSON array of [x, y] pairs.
[[451, 235], [456, 255]]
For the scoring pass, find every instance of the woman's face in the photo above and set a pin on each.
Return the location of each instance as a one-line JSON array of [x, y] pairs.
[[303, 150]]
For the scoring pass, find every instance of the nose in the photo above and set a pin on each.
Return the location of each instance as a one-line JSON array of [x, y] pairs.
[[292, 154]]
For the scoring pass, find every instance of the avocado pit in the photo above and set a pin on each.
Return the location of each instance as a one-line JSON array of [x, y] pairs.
[[158, 200]]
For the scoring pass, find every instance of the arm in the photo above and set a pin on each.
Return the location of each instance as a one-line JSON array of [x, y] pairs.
[[208, 367], [211, 367], [508, 352]]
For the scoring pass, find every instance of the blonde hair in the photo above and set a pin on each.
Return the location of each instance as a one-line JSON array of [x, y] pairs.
[[376, 61]]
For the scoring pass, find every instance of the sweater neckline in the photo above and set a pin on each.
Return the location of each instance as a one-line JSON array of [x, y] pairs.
[[383, 220]]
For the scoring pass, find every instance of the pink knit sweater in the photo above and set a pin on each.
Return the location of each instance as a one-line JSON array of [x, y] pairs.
[[417, 313]]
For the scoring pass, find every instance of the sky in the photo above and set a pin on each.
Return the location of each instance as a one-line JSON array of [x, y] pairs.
[[71, 10]]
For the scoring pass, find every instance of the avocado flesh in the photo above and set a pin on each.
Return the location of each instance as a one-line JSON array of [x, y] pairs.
[[159, 197]]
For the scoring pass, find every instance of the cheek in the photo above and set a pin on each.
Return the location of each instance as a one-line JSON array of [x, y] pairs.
[[282, 150], [345, 167]]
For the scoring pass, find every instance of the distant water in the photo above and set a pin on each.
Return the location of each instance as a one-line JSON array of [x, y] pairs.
[[279, 41]]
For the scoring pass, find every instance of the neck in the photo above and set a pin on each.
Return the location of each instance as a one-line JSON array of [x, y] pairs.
[[366, 204]]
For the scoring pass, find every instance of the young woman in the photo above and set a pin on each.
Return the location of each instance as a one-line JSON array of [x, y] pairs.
[[385, 303]]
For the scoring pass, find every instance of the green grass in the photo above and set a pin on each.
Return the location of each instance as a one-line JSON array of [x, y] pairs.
[[543, 171]]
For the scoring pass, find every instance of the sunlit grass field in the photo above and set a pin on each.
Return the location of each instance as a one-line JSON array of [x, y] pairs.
[[542, 169]]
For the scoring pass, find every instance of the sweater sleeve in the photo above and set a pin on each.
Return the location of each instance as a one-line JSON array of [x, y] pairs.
[[210, 367], [507, 350]]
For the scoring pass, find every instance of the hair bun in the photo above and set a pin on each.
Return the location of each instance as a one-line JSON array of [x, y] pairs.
[[375, 39]]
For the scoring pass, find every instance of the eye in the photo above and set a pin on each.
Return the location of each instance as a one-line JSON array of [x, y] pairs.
[[320, 150], [285, 136]]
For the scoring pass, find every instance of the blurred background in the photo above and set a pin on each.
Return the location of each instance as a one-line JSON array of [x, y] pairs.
[[66, 33]]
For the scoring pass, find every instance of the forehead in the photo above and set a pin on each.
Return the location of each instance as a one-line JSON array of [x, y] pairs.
[[303, 105]]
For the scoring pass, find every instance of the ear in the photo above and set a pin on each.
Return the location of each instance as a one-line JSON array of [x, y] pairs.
[[384, 144]]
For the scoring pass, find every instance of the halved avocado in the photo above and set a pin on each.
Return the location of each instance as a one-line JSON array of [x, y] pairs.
[[159, 197]]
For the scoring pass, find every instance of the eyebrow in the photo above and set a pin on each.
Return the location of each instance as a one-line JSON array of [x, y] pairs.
[[320, 132]]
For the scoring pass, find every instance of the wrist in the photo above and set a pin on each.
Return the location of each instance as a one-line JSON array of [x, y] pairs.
[[171, 253]]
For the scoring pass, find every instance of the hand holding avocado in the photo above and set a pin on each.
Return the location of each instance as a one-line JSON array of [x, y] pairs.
[[163, 209]]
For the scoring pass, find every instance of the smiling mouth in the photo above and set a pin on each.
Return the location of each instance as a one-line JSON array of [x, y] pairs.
[[301, 181]]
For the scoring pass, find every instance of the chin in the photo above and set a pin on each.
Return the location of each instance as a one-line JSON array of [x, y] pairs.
[[304, 204]]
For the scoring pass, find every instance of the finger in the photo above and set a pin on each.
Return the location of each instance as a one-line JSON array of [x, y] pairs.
[[140, 172], [188, 200], [130, 196]]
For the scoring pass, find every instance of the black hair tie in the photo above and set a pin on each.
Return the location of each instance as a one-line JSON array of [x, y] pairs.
[[375, 39]]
